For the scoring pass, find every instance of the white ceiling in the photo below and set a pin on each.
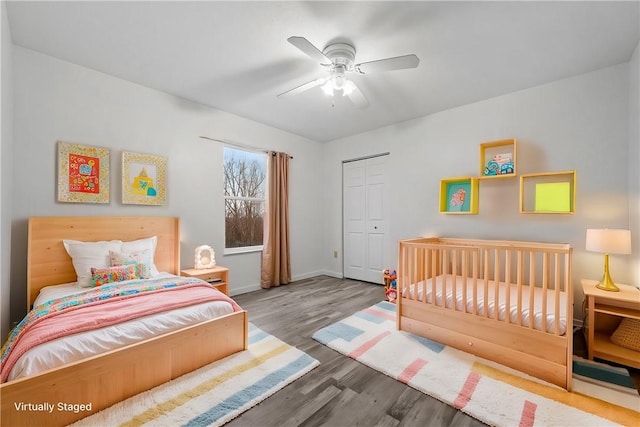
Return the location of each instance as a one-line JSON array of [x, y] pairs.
[[234, 55]]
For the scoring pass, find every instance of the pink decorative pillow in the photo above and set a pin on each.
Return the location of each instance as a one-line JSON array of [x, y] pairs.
[[149, 244], [141, 259], [102, 276]]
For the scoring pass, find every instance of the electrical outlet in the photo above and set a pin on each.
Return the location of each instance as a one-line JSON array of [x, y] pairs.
[[335, 254]]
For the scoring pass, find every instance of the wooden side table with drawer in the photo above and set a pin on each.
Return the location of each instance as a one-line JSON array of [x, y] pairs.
[[605, 310], [217, 276]]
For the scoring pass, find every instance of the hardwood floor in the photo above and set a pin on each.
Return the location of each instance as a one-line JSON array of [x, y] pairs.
[[341, 391]]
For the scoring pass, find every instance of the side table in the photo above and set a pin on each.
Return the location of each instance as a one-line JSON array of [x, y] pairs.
[[605, 309], [217, 276]]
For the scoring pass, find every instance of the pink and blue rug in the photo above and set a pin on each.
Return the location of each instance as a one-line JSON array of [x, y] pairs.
[[489, 392]]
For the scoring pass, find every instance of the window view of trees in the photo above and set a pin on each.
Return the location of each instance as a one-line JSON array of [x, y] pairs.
[[244, 197]]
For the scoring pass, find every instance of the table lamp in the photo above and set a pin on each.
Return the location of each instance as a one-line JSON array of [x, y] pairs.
[[205, 257], [608, 241]]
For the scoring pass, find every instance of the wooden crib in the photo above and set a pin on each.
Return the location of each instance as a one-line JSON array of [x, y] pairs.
[[507, 301]]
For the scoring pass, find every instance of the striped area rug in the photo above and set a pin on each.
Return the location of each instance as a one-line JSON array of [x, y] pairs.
[[216, 393], [491, 393]]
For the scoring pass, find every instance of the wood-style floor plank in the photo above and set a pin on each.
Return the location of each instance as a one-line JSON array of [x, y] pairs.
[[339, 392]]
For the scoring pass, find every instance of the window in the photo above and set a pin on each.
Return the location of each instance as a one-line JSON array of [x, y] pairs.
[[245, 175]]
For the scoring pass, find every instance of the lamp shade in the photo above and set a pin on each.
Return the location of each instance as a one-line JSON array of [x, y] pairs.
[[608, 241]]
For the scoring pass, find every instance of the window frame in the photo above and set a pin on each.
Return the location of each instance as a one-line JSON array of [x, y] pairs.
[[243, 249]]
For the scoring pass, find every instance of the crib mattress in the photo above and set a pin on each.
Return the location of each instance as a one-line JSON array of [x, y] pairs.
[[444, 285]]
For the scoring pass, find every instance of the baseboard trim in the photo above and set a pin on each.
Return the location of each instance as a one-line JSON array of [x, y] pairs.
[[244, 289], [257, 287], [316, 274], [335, 274]]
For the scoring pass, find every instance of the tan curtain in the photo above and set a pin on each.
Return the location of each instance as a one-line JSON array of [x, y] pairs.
[[276, 263]]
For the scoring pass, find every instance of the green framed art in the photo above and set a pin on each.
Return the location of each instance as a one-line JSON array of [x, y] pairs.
[[459, 195]]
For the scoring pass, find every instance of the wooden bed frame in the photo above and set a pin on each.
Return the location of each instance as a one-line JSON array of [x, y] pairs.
[[118, 374], [546, 355]]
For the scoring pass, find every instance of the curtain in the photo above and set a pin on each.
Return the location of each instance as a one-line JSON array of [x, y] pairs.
[[276, 262]]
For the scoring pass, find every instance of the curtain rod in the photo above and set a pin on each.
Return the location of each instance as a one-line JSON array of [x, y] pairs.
[[240, 145]]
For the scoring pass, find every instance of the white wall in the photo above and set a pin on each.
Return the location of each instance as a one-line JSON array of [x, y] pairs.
[[634, 162], [6, 149], [56, 100], [584, 123], [579, 123]]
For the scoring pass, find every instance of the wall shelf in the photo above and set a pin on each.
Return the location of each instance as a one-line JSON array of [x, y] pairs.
[[548, 192], [498, 159], [459, 195]]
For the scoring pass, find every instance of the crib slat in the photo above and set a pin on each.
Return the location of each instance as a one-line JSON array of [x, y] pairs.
[[556, 295], [465, 278], [425, 260], [486, 283], [507, 280], [520, 278], [532, 284], [545, 287], [414, 259], [496, 280], [567, 286], [454, 277], [436, 272], [475, 282]]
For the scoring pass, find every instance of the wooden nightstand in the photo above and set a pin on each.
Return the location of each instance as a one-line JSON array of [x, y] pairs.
[[217, 276], [605, 309]]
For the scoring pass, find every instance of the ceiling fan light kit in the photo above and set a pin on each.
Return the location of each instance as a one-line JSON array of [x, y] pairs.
[[339, 58]]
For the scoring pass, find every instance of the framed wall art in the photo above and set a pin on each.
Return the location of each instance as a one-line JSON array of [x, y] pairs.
[[459, 195], [83, 173], [144, 179]]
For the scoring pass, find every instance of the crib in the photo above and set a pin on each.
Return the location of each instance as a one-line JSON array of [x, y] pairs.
[[510, 302]]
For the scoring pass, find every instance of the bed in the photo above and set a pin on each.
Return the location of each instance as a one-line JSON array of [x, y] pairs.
[[506, 301], [115, 374]]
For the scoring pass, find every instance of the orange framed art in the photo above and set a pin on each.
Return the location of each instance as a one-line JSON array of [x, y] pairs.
[[83, 173]]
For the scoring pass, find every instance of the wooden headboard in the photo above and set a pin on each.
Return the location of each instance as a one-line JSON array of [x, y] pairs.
[[49, 264]]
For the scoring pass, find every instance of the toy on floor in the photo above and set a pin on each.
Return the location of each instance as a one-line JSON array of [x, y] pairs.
[[390, 285]]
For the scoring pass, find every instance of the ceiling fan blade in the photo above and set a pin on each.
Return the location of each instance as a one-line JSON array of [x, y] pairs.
[[306, 46], [357, 97], [303, 87], [388, 64]]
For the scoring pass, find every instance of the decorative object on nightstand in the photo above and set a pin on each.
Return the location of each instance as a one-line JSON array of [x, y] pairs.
[[205, 257], [608, 241], [217, 276]]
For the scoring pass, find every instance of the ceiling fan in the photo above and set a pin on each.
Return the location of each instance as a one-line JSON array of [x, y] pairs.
[[338, 59]]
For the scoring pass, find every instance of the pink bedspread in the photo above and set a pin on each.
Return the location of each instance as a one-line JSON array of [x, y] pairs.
[[106, 312]]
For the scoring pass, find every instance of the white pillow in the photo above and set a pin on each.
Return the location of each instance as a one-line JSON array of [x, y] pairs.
[[86, 255], [141, 245]]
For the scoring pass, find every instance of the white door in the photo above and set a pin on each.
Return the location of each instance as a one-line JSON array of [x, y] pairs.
[[365, 219]]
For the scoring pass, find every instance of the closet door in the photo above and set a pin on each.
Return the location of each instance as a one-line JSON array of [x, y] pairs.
[[365, 219]]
